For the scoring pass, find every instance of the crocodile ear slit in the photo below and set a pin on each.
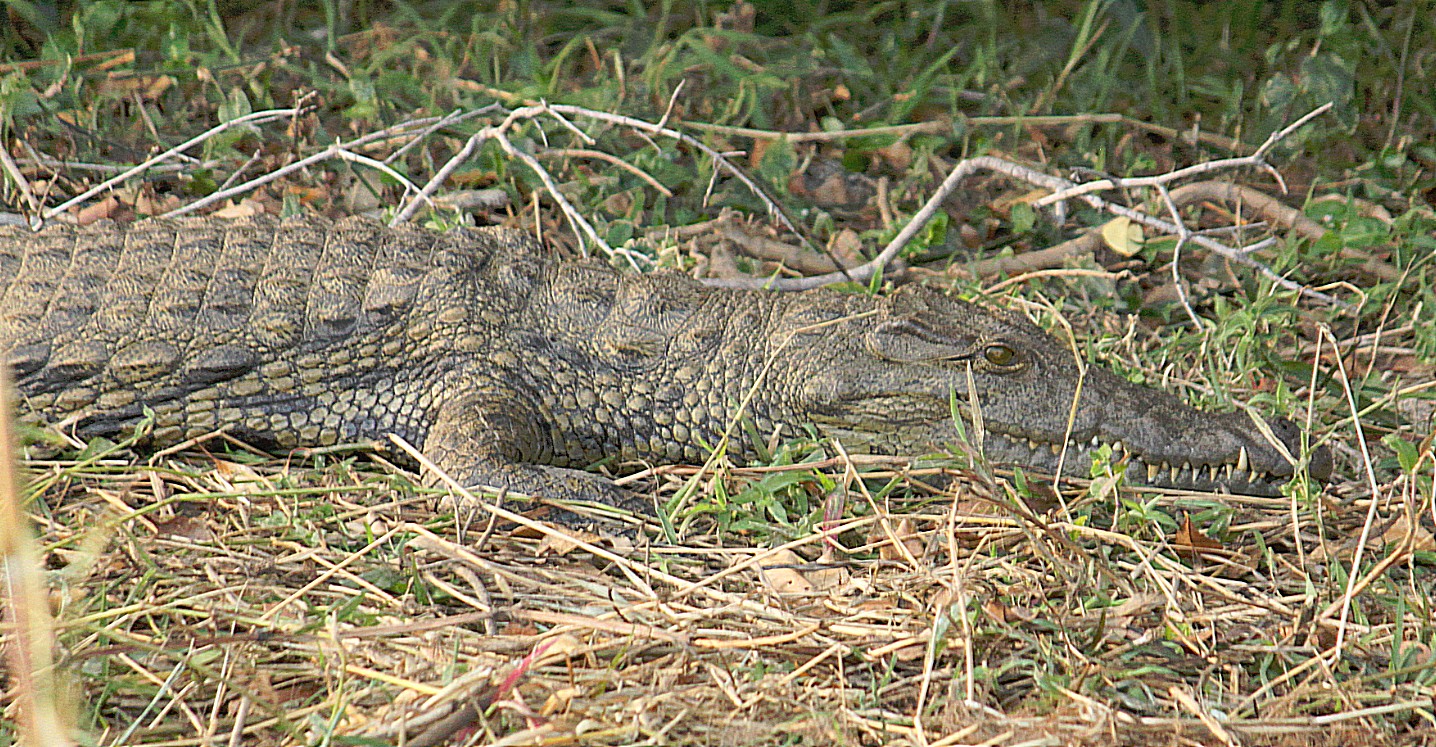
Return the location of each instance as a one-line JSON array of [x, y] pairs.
[[907, 341]]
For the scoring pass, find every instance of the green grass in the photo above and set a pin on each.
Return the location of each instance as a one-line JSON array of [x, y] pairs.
[[1031, 612]]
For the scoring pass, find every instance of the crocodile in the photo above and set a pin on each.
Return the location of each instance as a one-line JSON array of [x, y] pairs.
[[513, 371]]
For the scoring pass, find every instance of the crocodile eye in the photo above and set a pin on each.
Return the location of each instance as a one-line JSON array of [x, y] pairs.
[[1000, 355]]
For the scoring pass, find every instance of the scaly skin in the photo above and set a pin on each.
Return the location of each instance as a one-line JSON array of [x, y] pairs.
[[510, 370]]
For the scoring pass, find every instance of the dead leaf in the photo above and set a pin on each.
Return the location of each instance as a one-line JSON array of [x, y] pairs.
[[788, 573], [1003, 205], [755, 153], [1123, 236], [98, 211], [559, 701], [1364, 208], [147, 204], [897, 156], [1136, 606], [941, 599], [126, 85], [847, 247], [618, 204], [826, 183], [786, 580], [1190, 542], [307, 195], [186, 527], [906, 533], [234, 210], [832, 190], [913, 652], [559, 544], [1042, 498], [1422, 539], [234, 477], [739, 18], [1006, 613], [971, 239]]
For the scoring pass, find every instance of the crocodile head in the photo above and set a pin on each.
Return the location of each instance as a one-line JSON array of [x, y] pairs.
[[886, 384]]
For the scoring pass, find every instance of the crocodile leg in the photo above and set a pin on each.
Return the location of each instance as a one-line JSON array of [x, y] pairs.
[[490, 440]]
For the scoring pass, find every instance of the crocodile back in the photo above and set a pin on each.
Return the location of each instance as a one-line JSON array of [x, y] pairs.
[[257, 315]]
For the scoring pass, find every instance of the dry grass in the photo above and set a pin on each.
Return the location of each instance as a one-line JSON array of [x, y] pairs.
[[202, 600]]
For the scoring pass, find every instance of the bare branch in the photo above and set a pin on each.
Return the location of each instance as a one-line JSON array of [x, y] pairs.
[[434, 124], [253, 118], [866, 271], [1268, 207], [337, 150], [1257, 159], [1063, 190], [672, 100], [609, 158], [581, 225], [1184, 235], [426, 193], [718, 158]]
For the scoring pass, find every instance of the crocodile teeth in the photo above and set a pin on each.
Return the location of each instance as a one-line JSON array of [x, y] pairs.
[[1096, 441], [1118, 447], [1242, 461], [1229, 470], [1174, 472], [1152, 472], [1212, 472], [1055, 448]]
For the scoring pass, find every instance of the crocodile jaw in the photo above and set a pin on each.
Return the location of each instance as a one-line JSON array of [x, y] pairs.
[[1254, 469], [1239, 473]]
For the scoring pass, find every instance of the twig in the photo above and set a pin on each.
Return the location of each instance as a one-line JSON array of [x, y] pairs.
[[106, 61], [1063, 272], [229, 180], [1269, 208], [337, 150], [433, 125], [499, 133], [866, 271], [1042, 259], [1353, 576], [51, 163], [934, 127], [672, 100], [942, 127], [30, 631], [718, 158], [1060, 187], [1184, 234], [584, 136], [580, 223], [791, 257], [253, 118], [560, 112], [21, 183], [1256, 159], [1235, 255], [426, 193], [608, 158]]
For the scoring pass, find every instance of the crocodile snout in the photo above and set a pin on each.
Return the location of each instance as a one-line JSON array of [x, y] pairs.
[[1319, 461]]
